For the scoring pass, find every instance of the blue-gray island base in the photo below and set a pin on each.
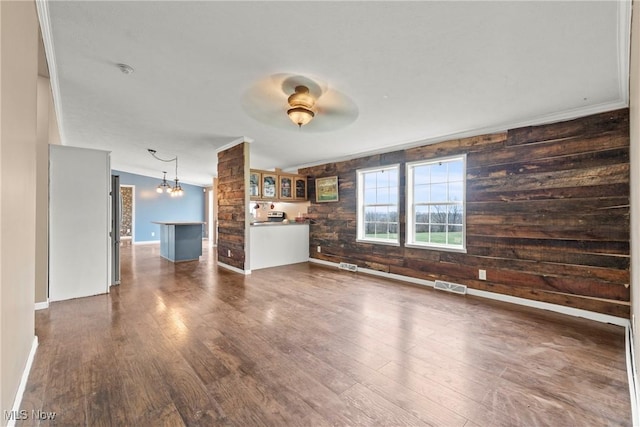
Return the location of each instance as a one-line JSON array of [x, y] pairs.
[[180, 240]]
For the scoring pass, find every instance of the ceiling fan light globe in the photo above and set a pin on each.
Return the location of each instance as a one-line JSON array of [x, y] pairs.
[[300, 115]]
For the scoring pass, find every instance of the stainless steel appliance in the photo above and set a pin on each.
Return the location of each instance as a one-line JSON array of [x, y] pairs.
[[116, 220], [276, 216]]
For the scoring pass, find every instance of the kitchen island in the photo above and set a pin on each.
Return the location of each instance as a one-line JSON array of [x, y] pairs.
[[180, 240], [276, 243]]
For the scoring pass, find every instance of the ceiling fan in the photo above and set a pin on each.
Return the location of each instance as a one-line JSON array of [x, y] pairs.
[[281, 99]]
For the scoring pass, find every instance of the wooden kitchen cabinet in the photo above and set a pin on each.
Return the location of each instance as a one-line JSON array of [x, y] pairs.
[[255, 184], [276, 186], [300, 191], [269, 186], [285, 184]]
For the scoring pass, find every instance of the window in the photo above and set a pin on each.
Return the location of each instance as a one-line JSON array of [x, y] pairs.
[[378, 205], [436, 203]]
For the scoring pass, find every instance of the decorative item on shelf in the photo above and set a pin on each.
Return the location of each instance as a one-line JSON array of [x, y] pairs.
[[176, 190], [301, 103]]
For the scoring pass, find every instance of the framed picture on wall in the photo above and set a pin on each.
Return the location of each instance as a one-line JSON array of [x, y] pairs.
[[327, 189]]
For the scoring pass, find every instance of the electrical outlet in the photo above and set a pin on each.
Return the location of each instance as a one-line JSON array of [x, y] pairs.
[[319, 249], [229, 253], [153, 234], [482, 274]]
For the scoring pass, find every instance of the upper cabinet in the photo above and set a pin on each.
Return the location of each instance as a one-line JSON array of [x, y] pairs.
[[285, 182], [266, 185], [255, 184], [269, 185], [300, 183]]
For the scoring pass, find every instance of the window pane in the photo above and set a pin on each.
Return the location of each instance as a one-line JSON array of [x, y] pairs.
[[437, 234], [454, 214], [421, 175], [393, 195], [455, 191], [382, 214], [421, 194], [455, 235], [369, 196], [438, 172], [382, 230], [456, 170], [393, 228], [439, 192], [369, 180], [422, 233], [436, 197], [369, 213], [422, 214], [438, 214], [369, 229], [379, 204], [382, 195], [393, 179], [382, 179]]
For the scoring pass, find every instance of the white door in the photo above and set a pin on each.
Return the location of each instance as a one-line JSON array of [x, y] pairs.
[[79, 222]]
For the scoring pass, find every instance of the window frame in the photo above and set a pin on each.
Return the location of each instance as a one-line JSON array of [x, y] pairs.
[[360, 206], [410, 237]]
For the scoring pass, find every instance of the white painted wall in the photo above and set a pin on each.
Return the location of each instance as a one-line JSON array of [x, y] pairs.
[[634, 107], [79, 212], [18, 124]]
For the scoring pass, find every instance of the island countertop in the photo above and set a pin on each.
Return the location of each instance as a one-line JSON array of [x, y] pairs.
[[178, 222]]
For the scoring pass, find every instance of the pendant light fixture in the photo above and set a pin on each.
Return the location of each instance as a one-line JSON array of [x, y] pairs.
[[164, 185], [301, 103], [176, 190]]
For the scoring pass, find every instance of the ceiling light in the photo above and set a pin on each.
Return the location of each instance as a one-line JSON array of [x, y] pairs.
[[164, 186], [301, 103]]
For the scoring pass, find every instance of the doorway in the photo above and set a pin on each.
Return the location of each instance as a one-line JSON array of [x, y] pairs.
[[128, 217]]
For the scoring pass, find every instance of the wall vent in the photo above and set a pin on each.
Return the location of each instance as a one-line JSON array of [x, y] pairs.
[[451, 287], [347, 266]]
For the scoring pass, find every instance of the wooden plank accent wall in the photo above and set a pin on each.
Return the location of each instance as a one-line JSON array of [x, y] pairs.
[[547, 214], [232, 204]]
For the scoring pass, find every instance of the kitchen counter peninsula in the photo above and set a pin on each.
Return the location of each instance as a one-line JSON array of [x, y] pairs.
[[275, 243], [180, 240]]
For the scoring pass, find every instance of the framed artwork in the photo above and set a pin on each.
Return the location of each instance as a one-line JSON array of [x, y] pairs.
[[254, 184], [327, 189], [301, 188], [286, 187], [269, 186]]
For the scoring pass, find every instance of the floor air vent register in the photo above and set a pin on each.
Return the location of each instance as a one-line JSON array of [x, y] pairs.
[[450, 287]]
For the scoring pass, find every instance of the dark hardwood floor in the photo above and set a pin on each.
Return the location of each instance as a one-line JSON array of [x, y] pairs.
[[305, 345]]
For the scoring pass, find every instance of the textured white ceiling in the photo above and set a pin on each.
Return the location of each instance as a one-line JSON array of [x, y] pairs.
[[414, 73]]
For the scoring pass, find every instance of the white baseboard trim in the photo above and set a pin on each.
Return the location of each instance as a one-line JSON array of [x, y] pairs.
[[603, 318], [42, 305], [146, 242], [234, 269], [576, 312], [23, 381], [632, 375]]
